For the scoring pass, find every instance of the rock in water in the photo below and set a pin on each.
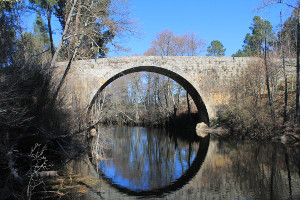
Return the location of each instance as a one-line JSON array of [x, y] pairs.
[[93, 132], [202, 129]]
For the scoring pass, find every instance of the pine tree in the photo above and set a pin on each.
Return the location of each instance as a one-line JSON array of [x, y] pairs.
[[254, 42], [215, 48]]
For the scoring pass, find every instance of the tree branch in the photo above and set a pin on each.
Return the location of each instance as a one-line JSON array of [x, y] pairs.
[[64, 33], [277, 2]]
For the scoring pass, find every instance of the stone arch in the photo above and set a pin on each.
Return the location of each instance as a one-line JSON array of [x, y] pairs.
[[202, 111]]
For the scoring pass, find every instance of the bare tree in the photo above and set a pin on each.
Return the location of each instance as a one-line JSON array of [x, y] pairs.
[[100, 21], [296, 6], [166, 43], [162, 45], [189, 44]]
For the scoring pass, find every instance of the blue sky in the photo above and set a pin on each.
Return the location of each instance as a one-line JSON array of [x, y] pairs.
[[225, 20]]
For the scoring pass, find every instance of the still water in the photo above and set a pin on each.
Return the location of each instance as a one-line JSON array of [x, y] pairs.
[[155, 163]]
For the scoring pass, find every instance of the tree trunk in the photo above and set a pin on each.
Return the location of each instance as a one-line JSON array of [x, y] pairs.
[[273, 172], [50, 30], [188, 103], [284, 73], [285, 89], [77, 22], [58, 49], [54, 57], [289, 171], [268, 81], [175, 111], [298, 67]]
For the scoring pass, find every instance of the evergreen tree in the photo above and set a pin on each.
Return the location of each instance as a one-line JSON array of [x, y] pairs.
[[46, 7], [288, 35], [60, 12], [254, 42], [215, 48], [41, 30], [110, 19], [7, 35]]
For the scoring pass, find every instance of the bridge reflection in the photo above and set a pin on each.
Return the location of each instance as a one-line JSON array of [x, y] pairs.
[[153, 164]]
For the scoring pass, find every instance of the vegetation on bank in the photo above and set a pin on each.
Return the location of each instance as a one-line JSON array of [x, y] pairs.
[[35, 124], [264, 102]]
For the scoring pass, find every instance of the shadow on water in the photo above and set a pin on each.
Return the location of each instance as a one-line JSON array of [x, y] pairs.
[[175, 185]]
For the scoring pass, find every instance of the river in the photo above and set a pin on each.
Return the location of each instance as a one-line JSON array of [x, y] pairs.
[[156, 163]]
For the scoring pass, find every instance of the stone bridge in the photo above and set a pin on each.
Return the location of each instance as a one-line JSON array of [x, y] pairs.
[[205, 78]]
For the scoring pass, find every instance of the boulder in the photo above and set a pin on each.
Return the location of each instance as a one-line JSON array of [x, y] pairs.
[[202, 129], [93, 132]]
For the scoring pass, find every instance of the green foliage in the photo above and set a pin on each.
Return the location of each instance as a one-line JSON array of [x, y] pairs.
[[60, 11], [7, 38], [18, 47], [45, 7], [92, 27], [7, 4], [216, 48], [98, 34], [241, 53], [289, 34], [28, 46], [254, 43], [43, 4], [41, 30], [94, 34]]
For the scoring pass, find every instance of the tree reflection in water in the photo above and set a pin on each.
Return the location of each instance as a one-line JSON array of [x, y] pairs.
[[150, 159], [231, 169]]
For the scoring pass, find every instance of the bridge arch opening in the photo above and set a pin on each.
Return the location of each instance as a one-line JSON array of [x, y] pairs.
[[202, 111]]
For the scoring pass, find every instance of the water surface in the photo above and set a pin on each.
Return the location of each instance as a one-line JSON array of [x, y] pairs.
[[157, 163]]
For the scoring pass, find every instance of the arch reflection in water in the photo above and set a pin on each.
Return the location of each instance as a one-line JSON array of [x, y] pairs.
[[152, 162]]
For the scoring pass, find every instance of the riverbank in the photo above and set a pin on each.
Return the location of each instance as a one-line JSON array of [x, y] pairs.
[[256, 121], [33, 131]]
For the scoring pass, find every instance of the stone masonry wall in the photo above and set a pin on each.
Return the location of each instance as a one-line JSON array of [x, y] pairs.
[[209, 75]]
